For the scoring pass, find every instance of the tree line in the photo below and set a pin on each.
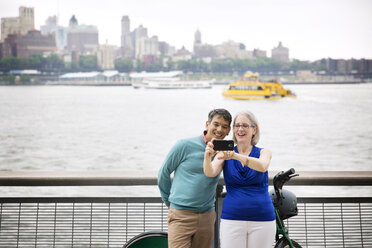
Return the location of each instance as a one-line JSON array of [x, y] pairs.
[[52, 63]]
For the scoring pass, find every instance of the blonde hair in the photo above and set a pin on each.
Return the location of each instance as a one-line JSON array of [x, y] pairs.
[[252, 118]]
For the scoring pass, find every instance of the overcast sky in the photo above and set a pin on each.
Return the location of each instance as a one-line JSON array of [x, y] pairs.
[[311, 29]]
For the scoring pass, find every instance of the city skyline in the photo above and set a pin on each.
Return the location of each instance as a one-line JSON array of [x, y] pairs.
[[310, 29]]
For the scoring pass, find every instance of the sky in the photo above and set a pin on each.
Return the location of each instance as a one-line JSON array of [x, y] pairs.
[[311, 29]]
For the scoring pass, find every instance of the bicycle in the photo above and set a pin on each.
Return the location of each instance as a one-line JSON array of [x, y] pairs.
[[285, 205], [153, 239]]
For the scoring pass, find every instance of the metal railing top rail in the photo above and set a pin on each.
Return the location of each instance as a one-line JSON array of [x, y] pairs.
[[140, 178], [118, 199]]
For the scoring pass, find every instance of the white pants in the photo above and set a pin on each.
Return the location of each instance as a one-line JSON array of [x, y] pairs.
[[247, 234]]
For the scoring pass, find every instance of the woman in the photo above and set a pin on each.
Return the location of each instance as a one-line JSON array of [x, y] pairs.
[[248, 217]]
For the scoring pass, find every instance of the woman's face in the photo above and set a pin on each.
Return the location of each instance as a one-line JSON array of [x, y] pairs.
[[243, 129]]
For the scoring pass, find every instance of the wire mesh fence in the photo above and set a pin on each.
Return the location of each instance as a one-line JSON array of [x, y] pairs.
[[111, 222], [332, 224], [78, 224]]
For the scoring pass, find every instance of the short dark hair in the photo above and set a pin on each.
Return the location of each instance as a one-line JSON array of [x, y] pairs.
[[222, 112]]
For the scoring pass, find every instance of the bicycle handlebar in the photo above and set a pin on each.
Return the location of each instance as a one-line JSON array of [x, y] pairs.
[[280, 179], [289, 172]]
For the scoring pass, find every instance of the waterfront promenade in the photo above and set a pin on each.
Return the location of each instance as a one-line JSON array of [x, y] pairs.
[[112, 221]]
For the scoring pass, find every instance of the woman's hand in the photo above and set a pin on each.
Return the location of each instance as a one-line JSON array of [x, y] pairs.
[[225, 155]]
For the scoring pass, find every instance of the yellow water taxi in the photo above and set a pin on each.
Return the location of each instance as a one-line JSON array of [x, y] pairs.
[[250, 88], [278, 89]]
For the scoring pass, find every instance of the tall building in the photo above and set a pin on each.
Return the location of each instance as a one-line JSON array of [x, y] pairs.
[[365, 66], [259, 53], [9, 46], [138, 33], [344, 66], [18, 25], [202, 50], [197, 37], [234, 50], [182, 54], [33, 42], [147, 46], [61, 37], [197, 43], [165, 49], [126, 41], [139, 38], [51, 27], [280, 53], [105, 56], [341, 66], [81, 38]]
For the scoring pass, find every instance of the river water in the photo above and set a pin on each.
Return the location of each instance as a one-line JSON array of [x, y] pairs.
[[73, 128]]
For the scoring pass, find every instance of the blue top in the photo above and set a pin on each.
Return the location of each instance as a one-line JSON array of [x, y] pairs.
[[190, 189], [247, 195]]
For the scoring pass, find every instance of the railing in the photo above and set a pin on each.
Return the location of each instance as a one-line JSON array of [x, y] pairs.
[[112, 221]]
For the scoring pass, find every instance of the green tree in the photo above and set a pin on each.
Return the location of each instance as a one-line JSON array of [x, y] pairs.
[[72, 66], [242, 65], [186, 65], [25, 79], [124, 65], [139, 66], [268, 64], [171, 65], [319, 67], [220, 66], [300, 65], [10, 79], [198, 66], [154, 67], [88, 62], [35, 61], [203, 67], [53, 63], [12, 63]]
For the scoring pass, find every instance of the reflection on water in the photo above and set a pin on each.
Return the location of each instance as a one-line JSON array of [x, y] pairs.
[[119, 128]]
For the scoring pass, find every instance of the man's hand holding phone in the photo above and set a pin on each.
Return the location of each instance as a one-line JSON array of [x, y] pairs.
[[209, 151]]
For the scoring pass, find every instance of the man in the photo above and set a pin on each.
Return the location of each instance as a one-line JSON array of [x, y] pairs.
[[191, 195]]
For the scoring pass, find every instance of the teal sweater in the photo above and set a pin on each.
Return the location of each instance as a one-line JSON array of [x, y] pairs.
[[190, 188]]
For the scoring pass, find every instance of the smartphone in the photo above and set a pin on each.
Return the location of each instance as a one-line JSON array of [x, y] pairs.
[[223, 145]]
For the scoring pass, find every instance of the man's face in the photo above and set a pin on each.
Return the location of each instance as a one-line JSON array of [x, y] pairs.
[[218, 128]]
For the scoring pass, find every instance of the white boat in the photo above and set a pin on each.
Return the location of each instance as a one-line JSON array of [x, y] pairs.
[[175, 83], [167, 80]]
